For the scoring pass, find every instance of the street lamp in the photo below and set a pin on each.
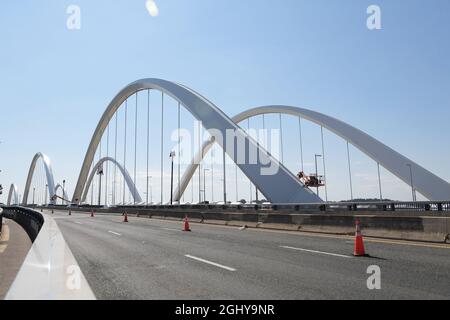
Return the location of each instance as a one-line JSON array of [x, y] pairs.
[[172, 156], [34, 190], [46, 195], [149, 192], [317, 172], [100, 173], [413, 191], [64, 191]]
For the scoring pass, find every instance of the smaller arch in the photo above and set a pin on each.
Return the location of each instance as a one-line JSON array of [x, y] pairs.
[[59, 186], [48, 173], [13, 194], [131, 186]]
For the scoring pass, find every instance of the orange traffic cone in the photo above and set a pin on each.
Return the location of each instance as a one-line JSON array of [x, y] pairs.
[[92, 213], [186, 224], [359, 242], [125, 217]]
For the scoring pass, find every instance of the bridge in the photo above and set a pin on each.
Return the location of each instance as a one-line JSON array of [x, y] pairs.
[[259, 236]]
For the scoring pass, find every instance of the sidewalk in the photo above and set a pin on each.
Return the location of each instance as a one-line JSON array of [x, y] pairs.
[[14, 247]]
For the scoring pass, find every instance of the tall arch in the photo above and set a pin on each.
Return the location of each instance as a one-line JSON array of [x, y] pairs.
[[212, 118], [48, 173], [427, 183], [13, 194], [131, 186]]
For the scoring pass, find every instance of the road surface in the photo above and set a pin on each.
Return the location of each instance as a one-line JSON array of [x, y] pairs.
[[154, 259]]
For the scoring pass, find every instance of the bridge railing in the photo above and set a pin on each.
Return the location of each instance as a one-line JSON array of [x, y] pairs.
[[30, 220], [331, 207]]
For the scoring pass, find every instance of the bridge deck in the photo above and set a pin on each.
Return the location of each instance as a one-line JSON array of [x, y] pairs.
[[153, 259]]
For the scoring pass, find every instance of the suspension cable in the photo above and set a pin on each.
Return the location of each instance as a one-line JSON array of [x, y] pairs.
[[250, 181], [115, 166], [179, 150], [148, 143], [212, 174], [100, 176], [281, 140], [162, 146], [301, 142], [224, 176], [92, 184], [350, 171], [135, 148], [200, 164], [324, 167], [125, 150], [379, 181], [107, 166]]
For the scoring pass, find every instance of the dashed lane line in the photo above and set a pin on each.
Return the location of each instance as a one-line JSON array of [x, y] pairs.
[[318, 252], [210, 263]]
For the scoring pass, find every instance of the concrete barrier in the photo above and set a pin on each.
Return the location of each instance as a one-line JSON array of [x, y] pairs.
[[50, 271]]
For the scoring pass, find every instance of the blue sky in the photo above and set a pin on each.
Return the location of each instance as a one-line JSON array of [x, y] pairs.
[[392, 83]]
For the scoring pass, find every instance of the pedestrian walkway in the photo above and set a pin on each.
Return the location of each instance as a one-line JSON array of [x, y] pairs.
[[14, 247]]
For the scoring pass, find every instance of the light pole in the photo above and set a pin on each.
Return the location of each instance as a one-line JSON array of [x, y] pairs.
[[317, 172], [100, 173], [64, 191], [172, 156], [34, 190], [46, 199], [412, 182], [149, 192]]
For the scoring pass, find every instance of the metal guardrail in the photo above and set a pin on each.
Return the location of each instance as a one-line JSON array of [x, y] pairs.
[[30, 220]]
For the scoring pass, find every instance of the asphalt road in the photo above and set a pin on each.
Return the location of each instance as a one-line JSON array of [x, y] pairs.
[[154, 259]]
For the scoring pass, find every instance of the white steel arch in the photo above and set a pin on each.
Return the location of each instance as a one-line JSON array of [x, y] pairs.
[[13, 194], [131, 186], [48, 173], [213, 119], [65, 196], [427, 183]]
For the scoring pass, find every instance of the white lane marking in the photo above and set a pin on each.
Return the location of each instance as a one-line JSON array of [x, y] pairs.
[[315, 251], [77, 222], [115, 233], [169, 229], [210, 262]]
